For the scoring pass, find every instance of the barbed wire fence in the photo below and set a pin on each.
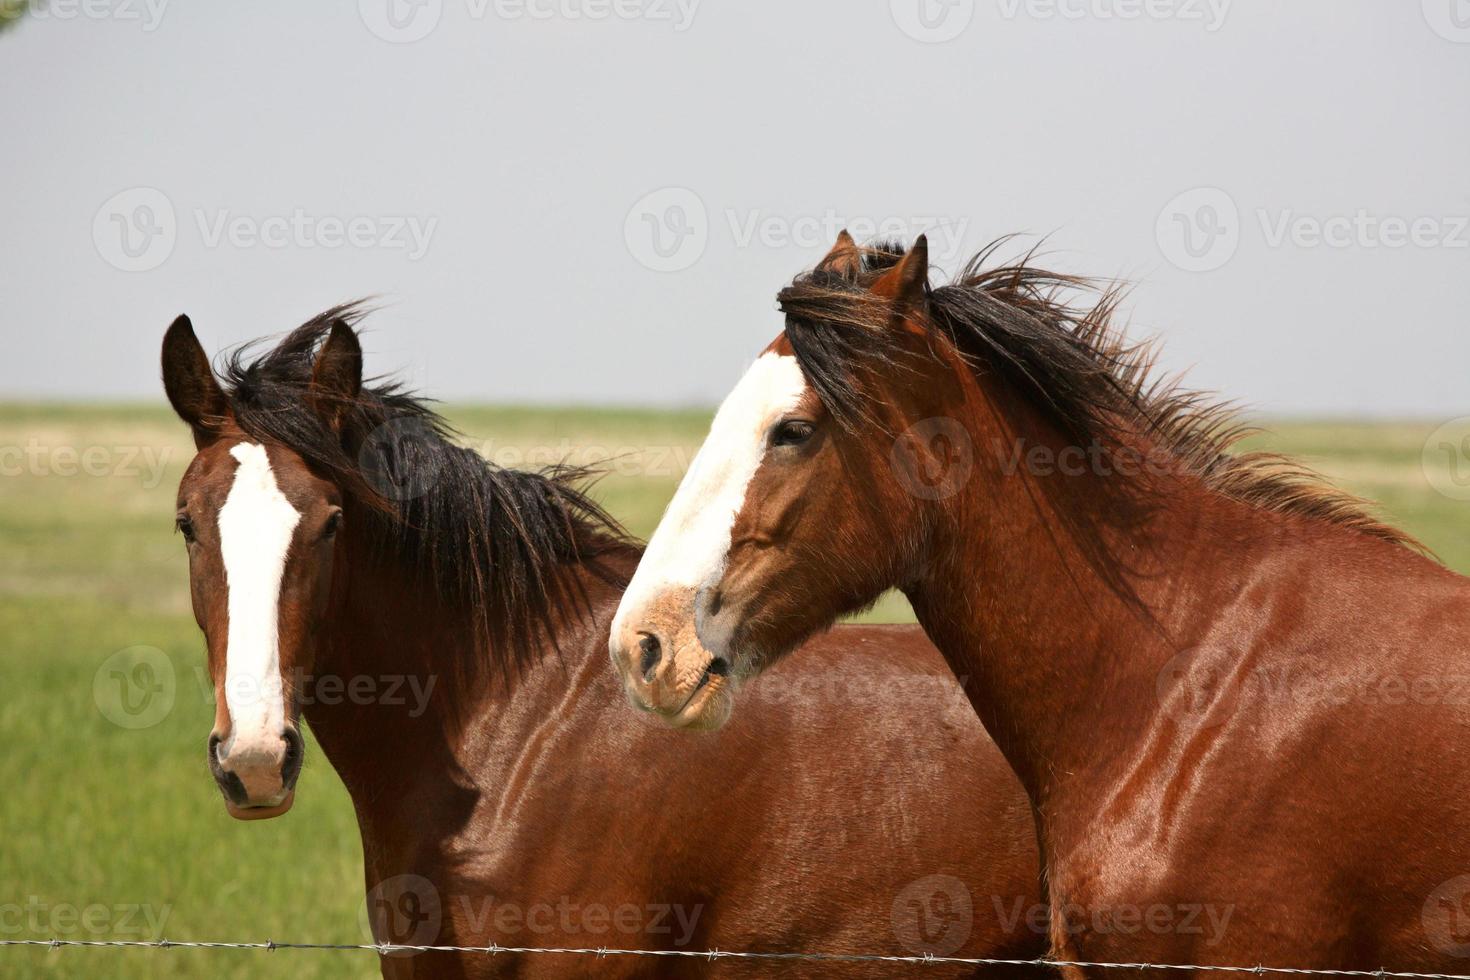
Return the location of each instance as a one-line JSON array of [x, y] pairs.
[[389, 949]]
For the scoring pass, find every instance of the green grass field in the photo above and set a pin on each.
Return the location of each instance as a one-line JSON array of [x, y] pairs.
[[112, 832]]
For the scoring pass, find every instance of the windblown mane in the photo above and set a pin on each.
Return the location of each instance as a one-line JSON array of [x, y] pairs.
[[499, 546], [1072, 363]]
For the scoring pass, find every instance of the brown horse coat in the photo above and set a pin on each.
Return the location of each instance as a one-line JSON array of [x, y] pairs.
[[442, 626], [1239, 704]]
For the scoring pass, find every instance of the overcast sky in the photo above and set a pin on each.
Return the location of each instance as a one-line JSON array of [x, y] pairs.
[[596, 200]]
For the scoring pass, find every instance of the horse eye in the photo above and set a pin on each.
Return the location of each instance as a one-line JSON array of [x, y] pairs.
[[792, 432], [186, 527], [333, 525]]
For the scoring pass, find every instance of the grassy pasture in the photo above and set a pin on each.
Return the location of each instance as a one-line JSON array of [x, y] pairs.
[[114, 832]]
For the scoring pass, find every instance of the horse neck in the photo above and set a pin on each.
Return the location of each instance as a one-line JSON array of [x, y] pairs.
[[1061, 666], [446, 732]]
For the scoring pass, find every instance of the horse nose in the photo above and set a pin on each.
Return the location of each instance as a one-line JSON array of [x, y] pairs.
[[640, 655], [257, 771]]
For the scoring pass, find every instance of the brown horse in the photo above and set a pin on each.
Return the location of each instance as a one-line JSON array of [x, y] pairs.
[[1238, 703], [442, 624]]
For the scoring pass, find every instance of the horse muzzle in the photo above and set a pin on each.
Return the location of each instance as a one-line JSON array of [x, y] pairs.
[[257, 775], [672, 676]]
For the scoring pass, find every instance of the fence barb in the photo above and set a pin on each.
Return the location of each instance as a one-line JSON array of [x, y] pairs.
[[385, 949]]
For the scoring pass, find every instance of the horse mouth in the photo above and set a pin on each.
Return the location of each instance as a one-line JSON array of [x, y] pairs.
[[261, 812], [709, 704]]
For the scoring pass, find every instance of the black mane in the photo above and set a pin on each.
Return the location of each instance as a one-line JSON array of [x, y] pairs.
[[500, 546], [1071, 363]]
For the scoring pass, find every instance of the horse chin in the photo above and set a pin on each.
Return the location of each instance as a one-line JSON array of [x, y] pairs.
[[706, 710], [261, 812], [710, 709]]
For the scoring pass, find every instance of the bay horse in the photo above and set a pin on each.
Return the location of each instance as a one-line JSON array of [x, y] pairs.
[[441, 624], [1237, 701]]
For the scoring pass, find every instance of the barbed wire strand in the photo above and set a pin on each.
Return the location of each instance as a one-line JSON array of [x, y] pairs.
[[387, 949]]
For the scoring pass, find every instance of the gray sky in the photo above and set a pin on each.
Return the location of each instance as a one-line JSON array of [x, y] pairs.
[[596, 200]]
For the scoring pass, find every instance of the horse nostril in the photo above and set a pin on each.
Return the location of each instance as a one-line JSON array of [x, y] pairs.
[[295, 750], [652, 653], [229, 783], [719, 667], [216, 764]]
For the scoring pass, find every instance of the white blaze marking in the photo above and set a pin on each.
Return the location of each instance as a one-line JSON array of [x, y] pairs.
[[256, 525], [692, 541]]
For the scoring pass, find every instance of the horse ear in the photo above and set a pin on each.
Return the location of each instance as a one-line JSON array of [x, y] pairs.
[[845, 258], [190, 383], [906, 282], [336, 377]]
